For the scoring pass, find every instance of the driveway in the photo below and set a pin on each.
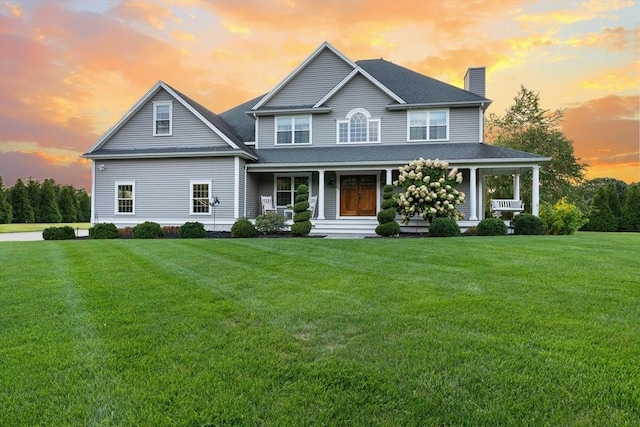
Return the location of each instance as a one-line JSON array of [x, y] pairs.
[[32, 236]]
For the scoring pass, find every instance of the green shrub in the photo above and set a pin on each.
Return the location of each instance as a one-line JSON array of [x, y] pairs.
[[302, 228], [492, 227], [105, 230], [271, 223], [192, 230], [388, 229], [444, 227], [562, 218], [302, 216], [243, 228], [301, 224], [387, 216], [59, 233], [630, 217], [602, 216], [147, 230], [528, 224]]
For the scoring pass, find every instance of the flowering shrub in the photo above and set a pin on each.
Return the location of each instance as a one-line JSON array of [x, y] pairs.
[[563, 217], [429, 191]]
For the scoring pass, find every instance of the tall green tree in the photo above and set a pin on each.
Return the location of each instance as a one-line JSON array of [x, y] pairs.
[[19, 199], [630, 218], [33, 190], [588, 190], [6, 211], [526, 126], [48, 203], [84, 205], [68, 204], [605, 210]]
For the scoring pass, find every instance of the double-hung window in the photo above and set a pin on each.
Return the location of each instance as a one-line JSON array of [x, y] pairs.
[[432, 125], [287, 186], [162, 118], [200, 197], [358, 127], [293, 130], [125, 198]]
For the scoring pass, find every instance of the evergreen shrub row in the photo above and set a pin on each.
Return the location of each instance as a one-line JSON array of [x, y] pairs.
[[59, 233]]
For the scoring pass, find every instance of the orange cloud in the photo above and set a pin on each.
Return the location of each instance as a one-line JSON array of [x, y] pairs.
[[615, 79], [606, 132], [182, 36], [154, 15], [581, 11], [14, 9]]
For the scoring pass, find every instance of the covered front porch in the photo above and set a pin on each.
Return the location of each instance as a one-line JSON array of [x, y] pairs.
[[349, 198]]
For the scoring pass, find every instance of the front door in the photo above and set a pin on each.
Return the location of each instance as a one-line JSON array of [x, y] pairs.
[[358, 195]]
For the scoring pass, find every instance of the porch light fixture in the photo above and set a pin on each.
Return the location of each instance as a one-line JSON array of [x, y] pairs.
[[101, 167], [331, 182]]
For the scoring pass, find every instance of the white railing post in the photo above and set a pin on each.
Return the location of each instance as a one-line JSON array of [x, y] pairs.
[[516, 186]]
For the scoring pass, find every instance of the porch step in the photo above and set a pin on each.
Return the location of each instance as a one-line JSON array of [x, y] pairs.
[[356, 226]]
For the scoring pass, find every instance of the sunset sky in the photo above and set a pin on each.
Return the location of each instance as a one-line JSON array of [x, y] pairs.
[[70, 69]]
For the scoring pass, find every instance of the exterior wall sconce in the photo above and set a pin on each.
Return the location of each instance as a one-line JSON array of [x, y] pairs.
[[331, 182], [101, 167]]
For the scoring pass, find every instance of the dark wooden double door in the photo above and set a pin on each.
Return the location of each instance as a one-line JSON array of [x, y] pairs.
[[358, 195]]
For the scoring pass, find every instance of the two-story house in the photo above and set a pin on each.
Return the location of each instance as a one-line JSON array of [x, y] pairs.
[[342, 127]]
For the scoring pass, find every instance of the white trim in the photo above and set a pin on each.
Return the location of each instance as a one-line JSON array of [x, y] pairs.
[[199, 182], [115, 198], [535, 191], [173, 155], [293, 190], [236, 187], [256, 128], [321, 196], [157, 104], [428, 113], [93, 193], [473, 198], [244, 213], [366, 75], [293, 130], [299, 68]]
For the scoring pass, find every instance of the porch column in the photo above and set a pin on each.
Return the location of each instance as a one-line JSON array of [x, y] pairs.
[[535, 191], [389, 179], [473, 196], [516, 186], [480, 195], [320, 193]]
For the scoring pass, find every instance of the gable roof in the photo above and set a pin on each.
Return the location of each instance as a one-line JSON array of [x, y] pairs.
[[416, 88], [240, 121], [210, 119], [325, 45], [349, 77]]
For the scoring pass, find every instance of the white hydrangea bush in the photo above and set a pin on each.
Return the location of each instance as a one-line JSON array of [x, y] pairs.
[[429, 190]]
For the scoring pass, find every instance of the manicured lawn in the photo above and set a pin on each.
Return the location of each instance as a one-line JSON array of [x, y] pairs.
[[18, 228], [463, 331]]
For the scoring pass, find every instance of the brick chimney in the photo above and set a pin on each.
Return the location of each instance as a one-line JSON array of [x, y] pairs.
[[474, 80]]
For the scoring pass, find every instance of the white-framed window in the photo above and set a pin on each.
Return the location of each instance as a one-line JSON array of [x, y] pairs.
[[125, 198], [287, 186], [358, 127], [162, 118], [429, 125], [293, 130], [200, 195]]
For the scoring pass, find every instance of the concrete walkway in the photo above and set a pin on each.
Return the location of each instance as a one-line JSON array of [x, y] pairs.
[[31, 236]]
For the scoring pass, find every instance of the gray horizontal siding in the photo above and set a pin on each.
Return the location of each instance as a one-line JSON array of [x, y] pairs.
[[163, 188], [465, 125], [312, 82], [187, 129]]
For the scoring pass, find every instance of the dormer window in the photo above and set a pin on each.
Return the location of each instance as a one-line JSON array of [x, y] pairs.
[[431, 125], [358, 127], [162, 118]]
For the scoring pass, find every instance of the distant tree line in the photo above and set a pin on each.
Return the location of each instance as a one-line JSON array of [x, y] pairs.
[[43, 202]]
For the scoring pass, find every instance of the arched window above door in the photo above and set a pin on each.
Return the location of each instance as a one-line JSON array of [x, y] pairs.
[[358, 127]]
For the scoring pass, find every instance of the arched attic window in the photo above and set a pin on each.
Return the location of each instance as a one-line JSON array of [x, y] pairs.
[[358, 127]]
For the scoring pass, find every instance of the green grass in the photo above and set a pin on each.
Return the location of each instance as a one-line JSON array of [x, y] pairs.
[[19, 228], [520, 330]]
